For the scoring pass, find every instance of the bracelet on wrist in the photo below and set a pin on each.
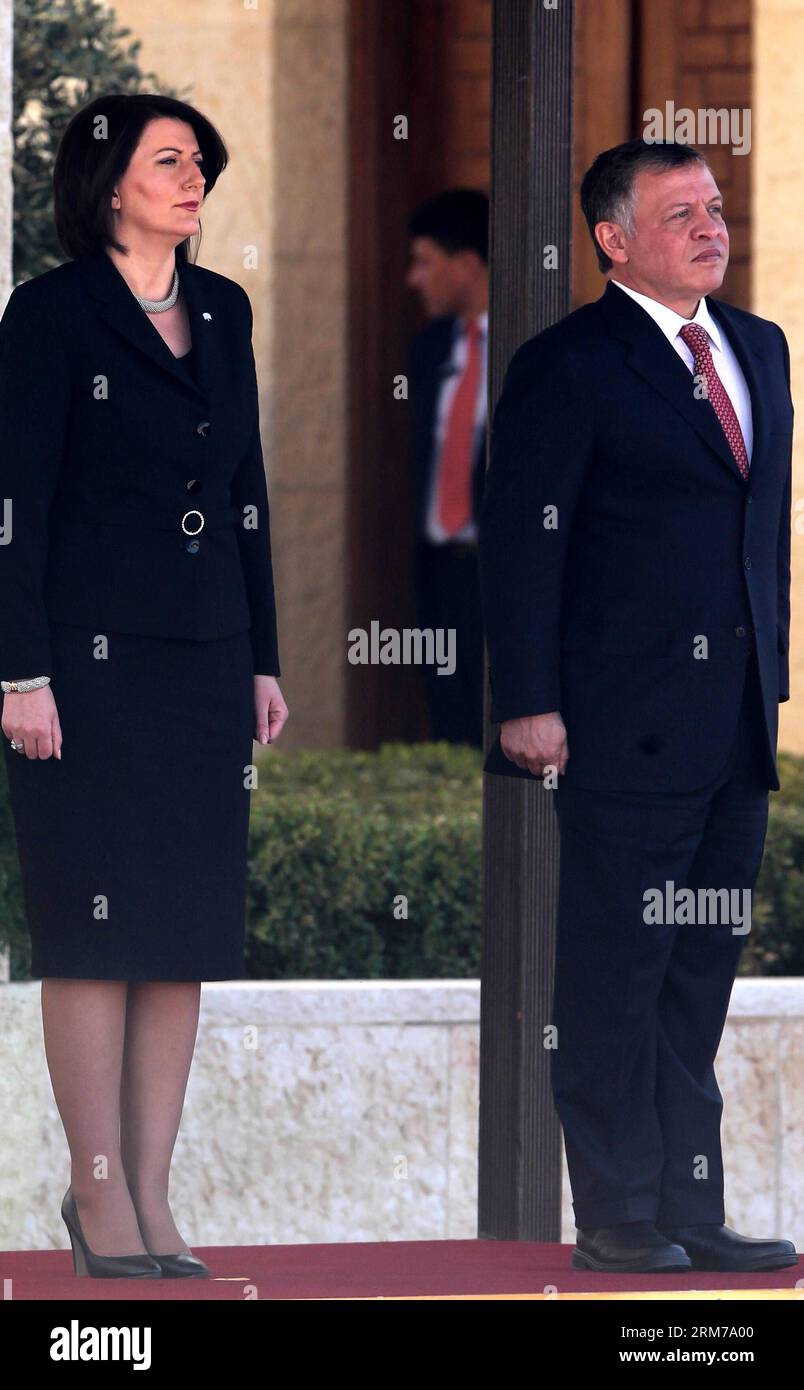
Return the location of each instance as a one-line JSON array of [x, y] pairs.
[[21, 686]]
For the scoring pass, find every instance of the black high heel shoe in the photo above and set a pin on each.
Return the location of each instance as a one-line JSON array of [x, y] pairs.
[[85, 1261], [182, 1266]]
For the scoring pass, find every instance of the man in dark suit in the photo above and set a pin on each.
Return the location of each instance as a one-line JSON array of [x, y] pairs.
[[635, 579], [449, 254]]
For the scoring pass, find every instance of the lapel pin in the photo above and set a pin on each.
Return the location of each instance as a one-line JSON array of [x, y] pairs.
[[208, 317]]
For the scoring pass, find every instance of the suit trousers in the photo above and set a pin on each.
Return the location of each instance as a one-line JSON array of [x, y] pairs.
[[448, 597], [640, 1004]]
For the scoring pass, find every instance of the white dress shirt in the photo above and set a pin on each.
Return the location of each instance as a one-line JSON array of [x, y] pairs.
[[453, 371], [723, 355]]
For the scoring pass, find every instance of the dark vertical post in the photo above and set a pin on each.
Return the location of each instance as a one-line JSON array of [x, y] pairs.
[[531, 211]]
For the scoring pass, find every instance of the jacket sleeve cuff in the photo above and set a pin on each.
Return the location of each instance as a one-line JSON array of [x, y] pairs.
[[524, 707]]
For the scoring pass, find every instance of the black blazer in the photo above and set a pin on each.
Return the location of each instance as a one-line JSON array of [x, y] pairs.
[[656, 542], [109, 454], [430, 351]]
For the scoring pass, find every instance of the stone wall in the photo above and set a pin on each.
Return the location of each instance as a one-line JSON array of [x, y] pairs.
[[778, 263], [327, 1111]]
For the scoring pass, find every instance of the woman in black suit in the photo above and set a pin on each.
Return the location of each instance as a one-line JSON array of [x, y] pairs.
[[138, 650]]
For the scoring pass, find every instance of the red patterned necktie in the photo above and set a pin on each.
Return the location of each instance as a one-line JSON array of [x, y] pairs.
[[455, 473], [697, 340]]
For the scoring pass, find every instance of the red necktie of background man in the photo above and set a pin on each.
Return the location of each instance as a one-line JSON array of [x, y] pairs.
[[455, 474], [697, 340]]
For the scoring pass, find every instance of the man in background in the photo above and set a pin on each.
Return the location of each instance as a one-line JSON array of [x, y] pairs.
[[449, 270]]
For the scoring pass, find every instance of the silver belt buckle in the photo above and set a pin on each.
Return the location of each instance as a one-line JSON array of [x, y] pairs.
[[192, 512]]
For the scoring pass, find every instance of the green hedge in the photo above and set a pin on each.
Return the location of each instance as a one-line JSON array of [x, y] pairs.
[[338, 836]]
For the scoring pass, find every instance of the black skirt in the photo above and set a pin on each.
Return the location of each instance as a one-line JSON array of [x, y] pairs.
[[133, 847]]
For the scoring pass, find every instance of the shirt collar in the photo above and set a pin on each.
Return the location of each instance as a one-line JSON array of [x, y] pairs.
[[669, 321], [482, 321]]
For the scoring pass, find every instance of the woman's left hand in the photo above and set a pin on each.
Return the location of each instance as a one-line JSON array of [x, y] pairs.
[[270, 708]]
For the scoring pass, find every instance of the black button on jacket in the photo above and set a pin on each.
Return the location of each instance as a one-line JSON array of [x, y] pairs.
[[99, 434]]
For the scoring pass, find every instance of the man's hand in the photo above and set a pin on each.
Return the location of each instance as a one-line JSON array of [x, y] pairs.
[[535, 741]]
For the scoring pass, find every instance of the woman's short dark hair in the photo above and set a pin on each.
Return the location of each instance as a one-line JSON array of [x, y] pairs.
[[607, 190], [94, 153]]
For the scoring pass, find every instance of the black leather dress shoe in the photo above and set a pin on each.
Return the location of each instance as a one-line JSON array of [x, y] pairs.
[[87, 1263], [718, 1247], [633, 1248], [182, 1266]]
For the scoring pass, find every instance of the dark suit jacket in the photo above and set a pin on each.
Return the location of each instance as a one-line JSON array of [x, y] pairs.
[[106, 446], [430, 351], [658, 542]]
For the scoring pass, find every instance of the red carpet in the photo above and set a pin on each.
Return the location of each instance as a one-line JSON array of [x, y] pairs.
[[371, 1270]]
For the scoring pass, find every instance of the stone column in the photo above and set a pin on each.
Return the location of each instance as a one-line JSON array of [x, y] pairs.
[[778, 263], [6, 214]]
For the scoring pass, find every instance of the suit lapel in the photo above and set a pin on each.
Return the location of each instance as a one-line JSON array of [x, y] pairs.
[[206, 329], [657, 362], [756, 372], [442, 344], [118, 306], [433, 350]]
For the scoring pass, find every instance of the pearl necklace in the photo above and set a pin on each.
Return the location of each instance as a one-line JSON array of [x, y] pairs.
[[158, 306]]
